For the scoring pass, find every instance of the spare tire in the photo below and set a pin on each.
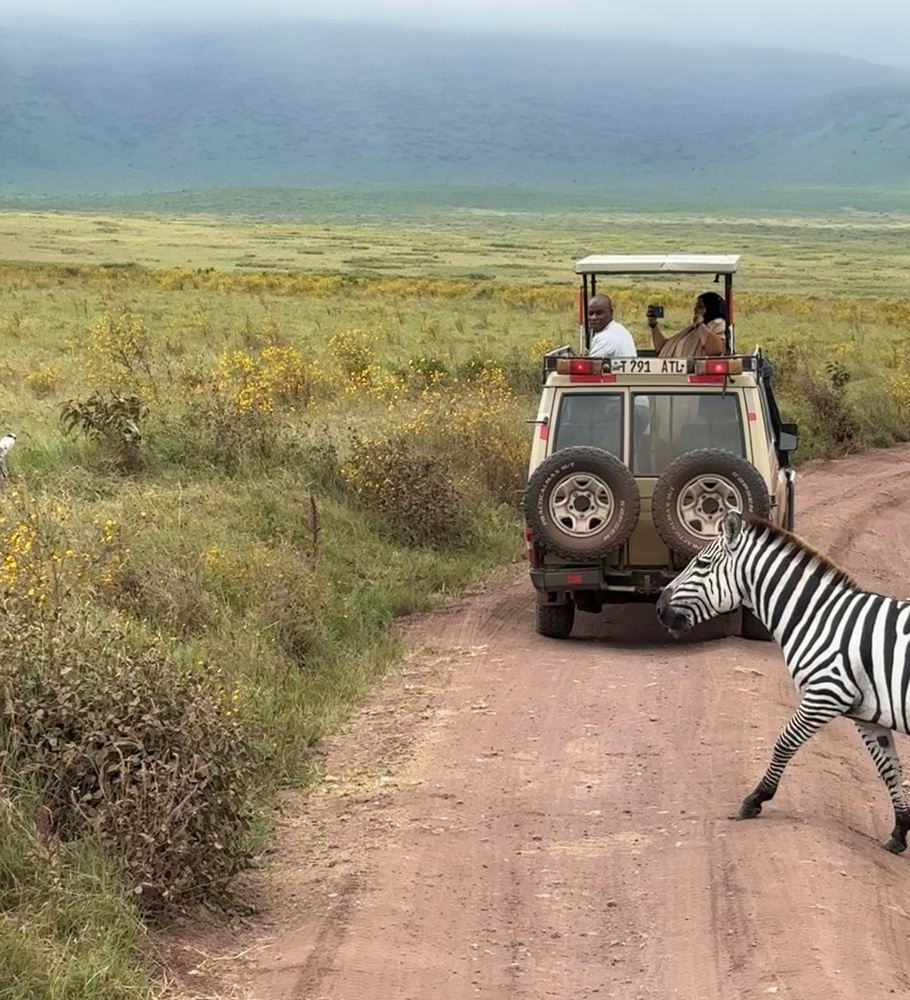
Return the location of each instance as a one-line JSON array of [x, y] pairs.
[[695, 492], [581, 503]]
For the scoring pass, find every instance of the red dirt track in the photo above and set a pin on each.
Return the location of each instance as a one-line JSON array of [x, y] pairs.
[[517, 817]]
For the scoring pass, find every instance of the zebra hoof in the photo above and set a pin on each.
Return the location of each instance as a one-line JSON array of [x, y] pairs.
[[895, 846], [749, 810]]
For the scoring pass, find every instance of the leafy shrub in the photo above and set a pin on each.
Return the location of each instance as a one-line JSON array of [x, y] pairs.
[[412, 492], [119, 741], [113, 419]]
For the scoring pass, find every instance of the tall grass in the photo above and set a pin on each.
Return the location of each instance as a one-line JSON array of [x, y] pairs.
[[262, 471]]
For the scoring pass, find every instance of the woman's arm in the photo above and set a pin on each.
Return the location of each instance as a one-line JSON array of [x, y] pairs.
[[712, 342], [657, 336]]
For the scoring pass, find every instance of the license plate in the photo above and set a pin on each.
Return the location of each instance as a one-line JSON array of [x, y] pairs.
[[648, 366]]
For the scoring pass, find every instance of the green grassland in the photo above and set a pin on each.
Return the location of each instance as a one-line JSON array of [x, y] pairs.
[[862, 254], [285, 435]]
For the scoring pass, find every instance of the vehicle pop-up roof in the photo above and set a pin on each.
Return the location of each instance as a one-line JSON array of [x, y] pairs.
[[670, 263]]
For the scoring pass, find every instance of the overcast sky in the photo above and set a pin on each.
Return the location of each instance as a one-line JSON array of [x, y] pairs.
[[878, 30]]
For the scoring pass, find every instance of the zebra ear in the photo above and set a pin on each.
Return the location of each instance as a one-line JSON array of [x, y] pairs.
[[732, 528]]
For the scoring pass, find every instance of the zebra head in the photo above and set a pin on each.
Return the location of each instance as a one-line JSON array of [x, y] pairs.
[[708, 586]]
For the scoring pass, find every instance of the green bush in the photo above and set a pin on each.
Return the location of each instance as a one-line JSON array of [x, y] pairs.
[[120, 742]]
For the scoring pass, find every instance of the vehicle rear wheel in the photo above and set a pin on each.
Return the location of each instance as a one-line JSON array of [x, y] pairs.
[[582, 503], [695, 492], [753, 629], [556, 620]]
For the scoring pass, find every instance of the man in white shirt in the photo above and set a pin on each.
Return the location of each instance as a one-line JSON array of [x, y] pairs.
[[609, 339]]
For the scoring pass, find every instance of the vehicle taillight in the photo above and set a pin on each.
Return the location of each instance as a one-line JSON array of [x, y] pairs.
[[719, 366], [530, 550], [583, 370], [580, 366]]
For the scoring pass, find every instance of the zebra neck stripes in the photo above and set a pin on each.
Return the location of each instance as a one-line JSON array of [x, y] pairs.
[[788, 585]]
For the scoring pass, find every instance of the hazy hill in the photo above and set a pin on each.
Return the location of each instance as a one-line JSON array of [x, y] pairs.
[[305, 105]]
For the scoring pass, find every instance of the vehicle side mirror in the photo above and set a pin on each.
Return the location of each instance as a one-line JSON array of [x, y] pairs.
[[789, 438]]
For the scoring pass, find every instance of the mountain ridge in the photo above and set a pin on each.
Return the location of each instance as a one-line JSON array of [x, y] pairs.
[[321, 105]]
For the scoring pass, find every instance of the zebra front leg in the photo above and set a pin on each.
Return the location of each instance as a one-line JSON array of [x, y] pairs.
[[806, 721], [880, 744]]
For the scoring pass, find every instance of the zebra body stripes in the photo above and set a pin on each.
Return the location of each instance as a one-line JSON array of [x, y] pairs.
[[847, 650]]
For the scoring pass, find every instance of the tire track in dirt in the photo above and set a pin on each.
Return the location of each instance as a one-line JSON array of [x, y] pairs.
[[515, 817]]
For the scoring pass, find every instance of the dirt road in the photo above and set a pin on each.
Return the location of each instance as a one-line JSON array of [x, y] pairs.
[[517, 817]]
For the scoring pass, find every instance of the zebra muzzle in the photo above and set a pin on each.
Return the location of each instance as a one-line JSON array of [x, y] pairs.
[[673, 620]]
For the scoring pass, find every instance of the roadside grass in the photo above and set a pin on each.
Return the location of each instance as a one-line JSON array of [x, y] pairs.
[[317, 454]]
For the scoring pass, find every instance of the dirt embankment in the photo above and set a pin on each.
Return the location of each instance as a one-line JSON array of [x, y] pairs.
[[515, 817]]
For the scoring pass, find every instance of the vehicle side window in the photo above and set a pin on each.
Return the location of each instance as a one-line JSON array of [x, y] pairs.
[[766, 417], [675, 423], [590, 419]]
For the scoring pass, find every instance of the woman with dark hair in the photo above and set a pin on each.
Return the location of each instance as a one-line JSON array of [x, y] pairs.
[[704, 337]]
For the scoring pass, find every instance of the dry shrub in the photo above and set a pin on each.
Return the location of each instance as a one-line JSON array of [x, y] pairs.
[[275, 583], [120, 356], [477, 429], [288, 598], [119, 741], [171, 597], [353, 350], [42, 381], [412, 492], [240, 411]]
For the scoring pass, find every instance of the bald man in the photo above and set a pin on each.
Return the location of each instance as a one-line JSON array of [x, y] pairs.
[[609, 339]]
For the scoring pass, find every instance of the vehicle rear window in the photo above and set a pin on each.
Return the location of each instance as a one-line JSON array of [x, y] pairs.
[[593, 419], [668, 424]]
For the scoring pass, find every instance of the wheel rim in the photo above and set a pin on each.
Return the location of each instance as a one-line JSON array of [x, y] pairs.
[[581, 504], [703, 502]]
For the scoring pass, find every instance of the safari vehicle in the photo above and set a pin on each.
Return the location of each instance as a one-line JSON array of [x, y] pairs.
[[635, 461]]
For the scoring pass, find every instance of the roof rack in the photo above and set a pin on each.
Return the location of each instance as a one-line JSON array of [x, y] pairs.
[[668, 263]]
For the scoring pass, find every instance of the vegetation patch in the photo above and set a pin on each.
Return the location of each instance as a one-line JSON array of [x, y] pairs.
[[226, 485]]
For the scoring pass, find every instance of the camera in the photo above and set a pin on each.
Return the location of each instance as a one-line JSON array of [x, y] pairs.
[[655, 312]]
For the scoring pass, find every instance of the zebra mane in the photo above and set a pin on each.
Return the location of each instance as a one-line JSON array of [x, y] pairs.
[[772, 532]]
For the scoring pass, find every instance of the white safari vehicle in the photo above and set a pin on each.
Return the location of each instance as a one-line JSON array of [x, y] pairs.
[[635, 461]]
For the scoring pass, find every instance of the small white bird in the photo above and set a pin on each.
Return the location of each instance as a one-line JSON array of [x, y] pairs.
[[6, 446]]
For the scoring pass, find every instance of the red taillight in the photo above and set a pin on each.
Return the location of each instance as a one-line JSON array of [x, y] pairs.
[[531, 553], [574, 578], [716, 367], [544, 433], [580, 366], [719, 366], [714, 371]]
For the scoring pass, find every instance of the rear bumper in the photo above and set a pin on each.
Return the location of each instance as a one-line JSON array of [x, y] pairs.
[[554, 584]]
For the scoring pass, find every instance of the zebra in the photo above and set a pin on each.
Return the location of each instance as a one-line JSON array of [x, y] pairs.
[[847, 649]]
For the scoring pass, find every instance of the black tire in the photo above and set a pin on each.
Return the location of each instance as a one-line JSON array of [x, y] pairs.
[[719, 471], [753, 629], [582, 475], [556, 620]]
